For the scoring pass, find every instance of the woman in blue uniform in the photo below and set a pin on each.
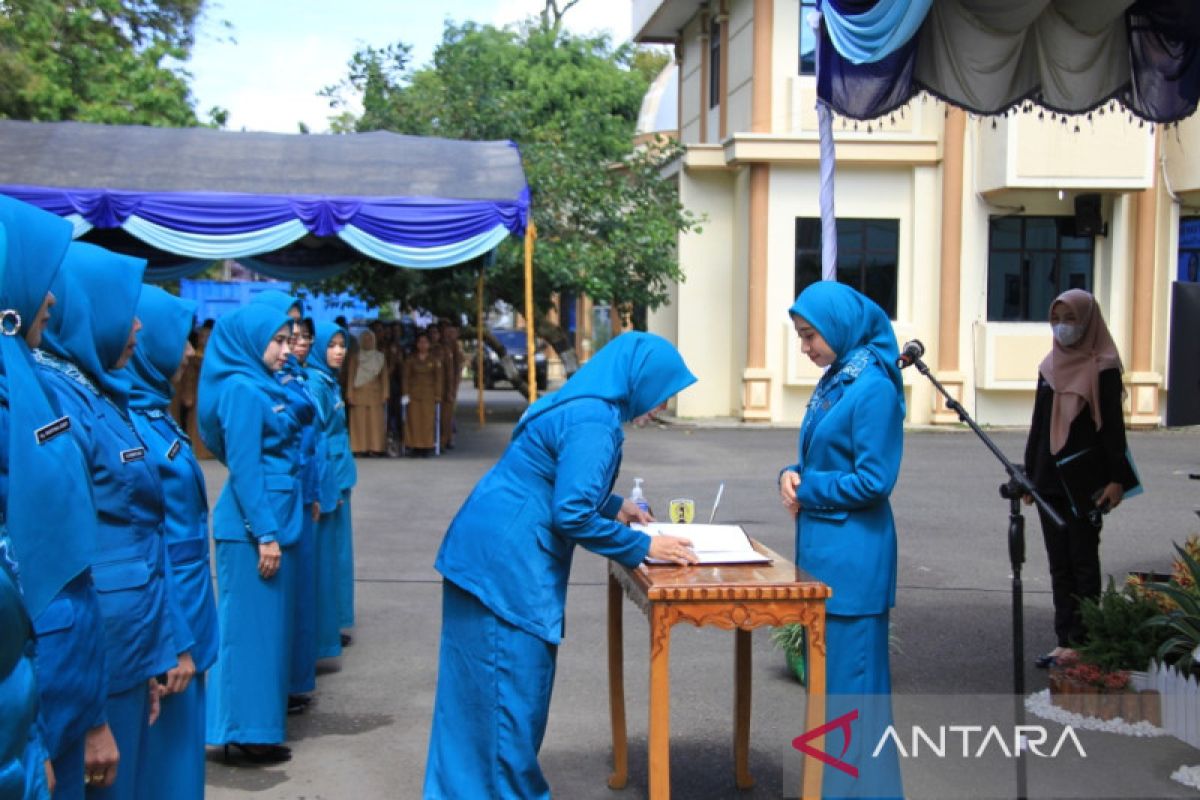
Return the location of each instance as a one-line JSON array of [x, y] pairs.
[[89, 340], [851, 441], [256, 523], [49, 519], [175, 753], [337, 478], [507, 556], [303, 411]]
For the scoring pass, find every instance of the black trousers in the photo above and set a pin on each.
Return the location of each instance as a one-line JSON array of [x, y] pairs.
[[1074, 555]]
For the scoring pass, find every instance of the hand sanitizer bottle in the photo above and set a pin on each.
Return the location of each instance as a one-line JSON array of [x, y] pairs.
[[638, 497]]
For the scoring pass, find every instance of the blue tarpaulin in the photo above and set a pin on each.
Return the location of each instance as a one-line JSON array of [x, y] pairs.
[[201, 194]]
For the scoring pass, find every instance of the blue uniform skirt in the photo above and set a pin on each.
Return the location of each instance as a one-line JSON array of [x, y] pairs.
[[493, 698], [304, 624], [128, 717], [345, 563], [247, 687], [328, 622], [859, 679], [175, 748]]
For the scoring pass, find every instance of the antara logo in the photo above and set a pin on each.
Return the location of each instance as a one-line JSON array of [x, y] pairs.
[[976, 742]]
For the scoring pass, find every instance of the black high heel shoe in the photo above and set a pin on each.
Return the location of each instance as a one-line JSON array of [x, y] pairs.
[[260, 753], [298, 703]]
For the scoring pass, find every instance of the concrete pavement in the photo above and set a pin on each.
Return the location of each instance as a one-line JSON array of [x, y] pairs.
[[367, 733]]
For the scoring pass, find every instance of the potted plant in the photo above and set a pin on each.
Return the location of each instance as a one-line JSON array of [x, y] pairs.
[[1181, 624], [1095, 680], [792, 640]]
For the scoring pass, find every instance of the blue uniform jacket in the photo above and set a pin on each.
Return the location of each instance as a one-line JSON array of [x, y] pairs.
[[339, 473], [70, 656], [303, 409], [511, 543], [130, 567], [18, 688], [185, 527], [845, 534], [260, 501]]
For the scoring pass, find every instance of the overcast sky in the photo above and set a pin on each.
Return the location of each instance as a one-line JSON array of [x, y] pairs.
[[268, 67]]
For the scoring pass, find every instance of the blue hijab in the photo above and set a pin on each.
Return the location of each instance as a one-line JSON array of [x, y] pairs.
[[166, 323], [97, 293], [281, 301], [325, 331], [50, 515], [849, 321], [235, 350], [635, 371]]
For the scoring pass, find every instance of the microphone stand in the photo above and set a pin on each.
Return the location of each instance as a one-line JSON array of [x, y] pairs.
[[1018, 484]]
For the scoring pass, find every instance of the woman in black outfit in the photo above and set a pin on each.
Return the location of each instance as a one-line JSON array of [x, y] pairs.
[[1076, 455]]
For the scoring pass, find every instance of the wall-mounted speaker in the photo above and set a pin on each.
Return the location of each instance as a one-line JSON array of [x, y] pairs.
[[1088, 221]]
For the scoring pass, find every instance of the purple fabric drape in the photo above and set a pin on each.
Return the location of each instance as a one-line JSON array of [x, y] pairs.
[[408, 221]]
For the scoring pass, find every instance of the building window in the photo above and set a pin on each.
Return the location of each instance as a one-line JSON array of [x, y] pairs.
[[866, 259], [1031, 261], [808, 40], [1189, 249], [714, 63]]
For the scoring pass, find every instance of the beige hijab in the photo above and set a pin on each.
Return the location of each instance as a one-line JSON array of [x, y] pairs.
[[1074, 372], [370, 360]]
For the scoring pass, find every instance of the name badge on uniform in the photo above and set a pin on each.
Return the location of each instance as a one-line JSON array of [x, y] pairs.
[[278, 408], [48, 432], [133, 454], [176, 446]]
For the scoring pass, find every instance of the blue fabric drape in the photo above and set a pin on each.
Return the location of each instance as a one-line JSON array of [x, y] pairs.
[[209, 246], [423, 258], [1064, 56], [421, 232], [867, 32]]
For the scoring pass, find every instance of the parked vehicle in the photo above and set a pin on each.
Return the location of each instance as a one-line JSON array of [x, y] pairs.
[[516, 345]]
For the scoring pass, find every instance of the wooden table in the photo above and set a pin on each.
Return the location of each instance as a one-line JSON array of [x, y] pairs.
[[737, 597]]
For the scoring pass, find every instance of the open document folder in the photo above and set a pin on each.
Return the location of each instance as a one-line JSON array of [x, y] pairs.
[[713, 544]]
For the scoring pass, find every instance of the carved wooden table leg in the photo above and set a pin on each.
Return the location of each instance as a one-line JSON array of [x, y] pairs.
[[616, 686], [660, 703], [741, 709], [815, 710]]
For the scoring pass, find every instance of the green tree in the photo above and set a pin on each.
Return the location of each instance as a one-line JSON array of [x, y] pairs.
[[606, 219], [108, 61]]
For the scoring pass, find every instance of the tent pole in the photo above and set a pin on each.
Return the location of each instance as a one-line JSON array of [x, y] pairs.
[[827, 161], [479, 345], [530, 325]]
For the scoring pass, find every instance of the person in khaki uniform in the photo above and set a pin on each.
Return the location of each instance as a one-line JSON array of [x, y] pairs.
[[424, 388], [453, 359], [368, 398]]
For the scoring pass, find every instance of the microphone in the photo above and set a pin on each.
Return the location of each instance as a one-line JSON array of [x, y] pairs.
[[912, 352]]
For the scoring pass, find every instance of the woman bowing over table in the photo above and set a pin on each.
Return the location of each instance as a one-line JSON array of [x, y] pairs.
[[90, 338], [175, 755], [507, 556], [256, 524]]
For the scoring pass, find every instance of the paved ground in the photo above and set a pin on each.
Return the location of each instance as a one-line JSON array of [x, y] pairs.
[[367, 734]]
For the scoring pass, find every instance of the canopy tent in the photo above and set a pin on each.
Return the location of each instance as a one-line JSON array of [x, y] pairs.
[[204, 194], [988, 57], [294, 207]]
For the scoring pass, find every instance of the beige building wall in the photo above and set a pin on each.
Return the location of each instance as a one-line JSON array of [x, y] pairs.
[[1017, 165]]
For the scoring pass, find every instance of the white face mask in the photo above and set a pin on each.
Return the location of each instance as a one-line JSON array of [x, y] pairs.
[[1067, 335]]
